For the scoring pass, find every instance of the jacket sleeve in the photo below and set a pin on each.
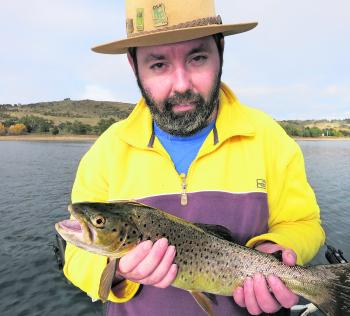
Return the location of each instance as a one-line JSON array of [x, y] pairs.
[[82, 268], [294, 220]]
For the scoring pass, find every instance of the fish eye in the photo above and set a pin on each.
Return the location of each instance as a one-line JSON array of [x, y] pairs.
[[99, 221]]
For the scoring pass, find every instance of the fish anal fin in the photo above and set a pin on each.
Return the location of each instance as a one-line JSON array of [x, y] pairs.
[[204, 302], [107, 278]]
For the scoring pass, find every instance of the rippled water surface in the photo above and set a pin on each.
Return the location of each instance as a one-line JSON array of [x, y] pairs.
[[35, 184]]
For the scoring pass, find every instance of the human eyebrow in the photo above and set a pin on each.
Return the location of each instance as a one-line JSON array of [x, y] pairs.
[[153, 57], [200, 49]]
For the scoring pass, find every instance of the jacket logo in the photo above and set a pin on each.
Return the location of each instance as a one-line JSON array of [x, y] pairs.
[[261, 184]]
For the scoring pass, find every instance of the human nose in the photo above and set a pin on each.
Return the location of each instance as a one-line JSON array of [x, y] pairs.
[[182, 80]]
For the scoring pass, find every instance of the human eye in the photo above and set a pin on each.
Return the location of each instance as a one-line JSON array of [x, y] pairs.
[[199, 59], [157, 66]]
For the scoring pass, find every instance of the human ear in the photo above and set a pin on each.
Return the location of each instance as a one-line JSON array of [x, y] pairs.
[[131, 62]]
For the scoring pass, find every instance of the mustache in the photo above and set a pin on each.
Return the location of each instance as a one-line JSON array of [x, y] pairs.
[[183, 98]]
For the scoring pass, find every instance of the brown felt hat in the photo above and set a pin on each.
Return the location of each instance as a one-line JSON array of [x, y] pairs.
[[152, 22]]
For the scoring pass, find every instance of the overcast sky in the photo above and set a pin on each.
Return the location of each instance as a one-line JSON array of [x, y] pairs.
[[294, 65]]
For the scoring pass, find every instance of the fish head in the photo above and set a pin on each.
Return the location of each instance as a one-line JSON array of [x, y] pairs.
[[100, 228]]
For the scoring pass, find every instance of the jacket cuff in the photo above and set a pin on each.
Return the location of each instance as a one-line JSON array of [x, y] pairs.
[[123, 291]]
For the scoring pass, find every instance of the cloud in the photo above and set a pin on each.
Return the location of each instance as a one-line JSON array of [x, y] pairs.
[[294, 64]]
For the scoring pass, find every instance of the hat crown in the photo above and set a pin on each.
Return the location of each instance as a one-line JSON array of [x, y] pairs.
[[144, 16]]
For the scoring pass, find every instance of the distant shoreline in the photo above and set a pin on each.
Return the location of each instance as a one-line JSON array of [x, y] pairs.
[[325, 138], [59, 138], [92, 138]]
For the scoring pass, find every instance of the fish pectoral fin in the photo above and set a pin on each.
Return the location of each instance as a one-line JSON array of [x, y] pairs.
[[217, 230], [278, 255], [106, 280], [204, 302]]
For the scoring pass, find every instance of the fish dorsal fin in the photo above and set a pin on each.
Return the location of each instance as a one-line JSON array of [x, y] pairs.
[[204, 302], [217, 230], [106, 280]]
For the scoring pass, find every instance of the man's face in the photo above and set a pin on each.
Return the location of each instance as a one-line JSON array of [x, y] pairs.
[[180, 83]]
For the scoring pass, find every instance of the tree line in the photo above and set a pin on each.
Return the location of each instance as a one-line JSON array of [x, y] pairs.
[[36, 124], [296, 129]]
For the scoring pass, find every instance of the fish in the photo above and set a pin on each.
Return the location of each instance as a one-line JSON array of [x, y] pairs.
[[209, 260]]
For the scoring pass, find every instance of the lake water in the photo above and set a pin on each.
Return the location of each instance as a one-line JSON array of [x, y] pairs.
[[35, 184]]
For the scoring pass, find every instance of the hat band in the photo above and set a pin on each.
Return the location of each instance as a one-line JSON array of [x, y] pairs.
[[198, 22]]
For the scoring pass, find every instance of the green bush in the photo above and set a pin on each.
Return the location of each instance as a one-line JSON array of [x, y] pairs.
[[103, 124]]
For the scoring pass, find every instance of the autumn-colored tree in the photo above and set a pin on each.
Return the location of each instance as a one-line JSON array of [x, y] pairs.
[[17, 129], [2, 129]]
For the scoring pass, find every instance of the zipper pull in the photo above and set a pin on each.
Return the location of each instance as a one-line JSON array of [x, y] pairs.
[[183, 193]]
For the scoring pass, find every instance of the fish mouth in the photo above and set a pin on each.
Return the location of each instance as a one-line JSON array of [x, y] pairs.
[[75, 230]]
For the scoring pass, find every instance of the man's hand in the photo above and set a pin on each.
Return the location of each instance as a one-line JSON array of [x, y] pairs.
[[267, 295], [150, 264]]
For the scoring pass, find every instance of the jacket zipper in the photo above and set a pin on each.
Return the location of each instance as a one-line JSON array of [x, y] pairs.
[[184, 187]]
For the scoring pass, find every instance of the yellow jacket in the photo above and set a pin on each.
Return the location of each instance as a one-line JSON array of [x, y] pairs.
[[247, 156]]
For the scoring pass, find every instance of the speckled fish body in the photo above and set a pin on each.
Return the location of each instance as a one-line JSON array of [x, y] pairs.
[[206, 261]]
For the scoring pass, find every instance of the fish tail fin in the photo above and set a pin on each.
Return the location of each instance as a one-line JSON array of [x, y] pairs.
[[337, 285]]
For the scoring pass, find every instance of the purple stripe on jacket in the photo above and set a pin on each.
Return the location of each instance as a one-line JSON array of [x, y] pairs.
[[244, 214]]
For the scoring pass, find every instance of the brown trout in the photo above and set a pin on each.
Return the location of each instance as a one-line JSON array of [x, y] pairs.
[[208, 260]]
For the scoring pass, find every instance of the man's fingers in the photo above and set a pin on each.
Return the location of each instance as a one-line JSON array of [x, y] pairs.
[[265, 300], [284, 296], [151, 261], [169, 278], [162, 269], [249, 297], [128, 262], [238, 295]]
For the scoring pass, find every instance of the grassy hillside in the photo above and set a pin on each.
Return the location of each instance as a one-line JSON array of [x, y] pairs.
[[86, 111]]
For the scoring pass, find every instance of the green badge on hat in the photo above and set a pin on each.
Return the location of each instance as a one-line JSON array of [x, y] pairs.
[[159, 15], [140, 19]]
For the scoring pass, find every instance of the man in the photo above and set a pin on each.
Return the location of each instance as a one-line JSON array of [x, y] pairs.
[[191, 149]]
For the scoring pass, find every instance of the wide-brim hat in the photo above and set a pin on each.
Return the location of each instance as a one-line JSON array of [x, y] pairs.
[[152, 22]]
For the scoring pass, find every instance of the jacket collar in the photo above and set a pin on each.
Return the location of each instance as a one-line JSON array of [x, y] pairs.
[[232, 120]]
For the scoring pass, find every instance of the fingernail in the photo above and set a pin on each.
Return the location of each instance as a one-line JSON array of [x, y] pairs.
[[172, 249], [162, 242], [248, 281], [258, 276], [146, 245]]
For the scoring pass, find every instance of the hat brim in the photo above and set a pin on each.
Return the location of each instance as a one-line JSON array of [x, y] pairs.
[[172, 36]]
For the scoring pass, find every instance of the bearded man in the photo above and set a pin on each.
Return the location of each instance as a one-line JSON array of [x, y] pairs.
[[192, 149]]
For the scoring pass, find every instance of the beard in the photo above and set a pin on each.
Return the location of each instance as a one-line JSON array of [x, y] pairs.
[[184, 123]]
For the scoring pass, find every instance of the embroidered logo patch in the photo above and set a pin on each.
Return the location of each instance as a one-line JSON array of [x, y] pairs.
[[261, 184], [159, 15], [140, 19]]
